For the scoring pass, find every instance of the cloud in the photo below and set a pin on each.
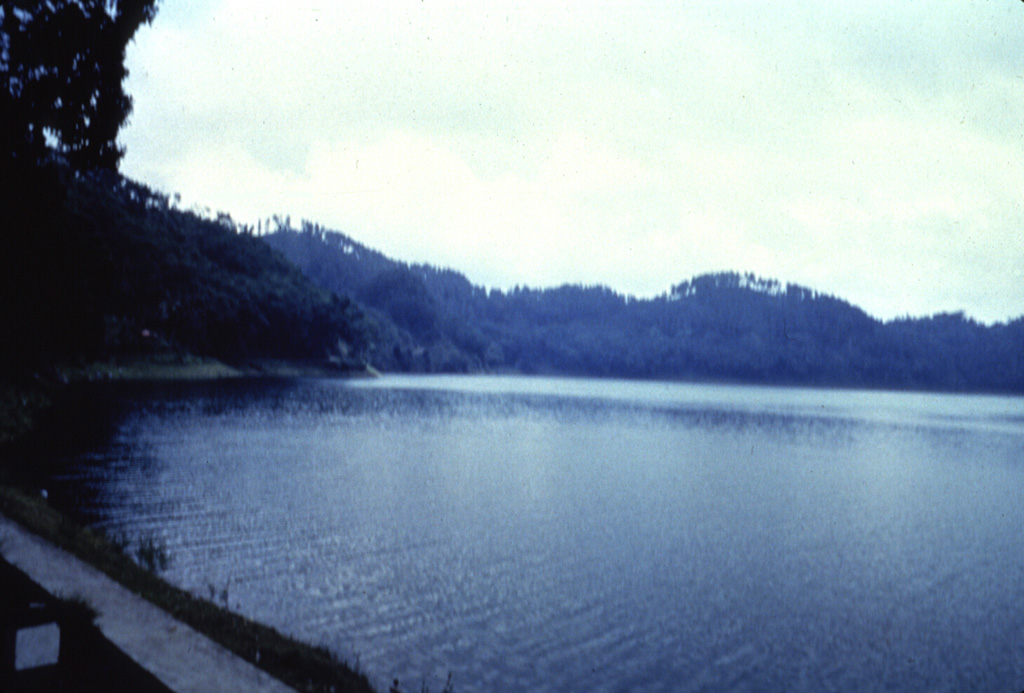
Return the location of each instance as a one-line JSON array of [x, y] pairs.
[[871, 150]]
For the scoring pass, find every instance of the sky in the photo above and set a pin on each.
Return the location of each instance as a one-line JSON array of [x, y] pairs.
[[869, 150]]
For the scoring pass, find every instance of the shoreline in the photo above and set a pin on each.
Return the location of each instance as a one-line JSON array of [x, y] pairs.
[[186, 368], [299, 665], [110, 631], [25, 407], [26, 400]]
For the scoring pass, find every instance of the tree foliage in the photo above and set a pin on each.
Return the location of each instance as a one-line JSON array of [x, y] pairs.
[[725, 326], [62, 71], [101, 267]]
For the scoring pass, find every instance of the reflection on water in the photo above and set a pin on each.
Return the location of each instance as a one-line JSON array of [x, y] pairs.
[[548, 534]]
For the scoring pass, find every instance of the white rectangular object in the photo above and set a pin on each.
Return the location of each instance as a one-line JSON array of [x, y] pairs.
[[37, 646]]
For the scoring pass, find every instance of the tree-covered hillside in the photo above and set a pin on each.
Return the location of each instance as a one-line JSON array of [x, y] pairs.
[[96, 266], [723, 326], [415, 326]]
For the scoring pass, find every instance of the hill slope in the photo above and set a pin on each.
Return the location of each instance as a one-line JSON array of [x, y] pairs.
[[96, 266], [723, 326]]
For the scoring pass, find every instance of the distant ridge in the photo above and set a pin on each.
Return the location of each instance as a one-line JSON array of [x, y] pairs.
[[723, 326], [99, 267]]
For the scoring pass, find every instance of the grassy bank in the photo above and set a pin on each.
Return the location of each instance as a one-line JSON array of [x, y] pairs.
[[22, 406], [163, 367], [20, 409]]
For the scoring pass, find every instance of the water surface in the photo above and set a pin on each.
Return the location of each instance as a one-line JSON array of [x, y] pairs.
[[584, 535]]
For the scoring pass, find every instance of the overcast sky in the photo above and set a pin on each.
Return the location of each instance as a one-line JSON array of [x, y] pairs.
[[871, 150]]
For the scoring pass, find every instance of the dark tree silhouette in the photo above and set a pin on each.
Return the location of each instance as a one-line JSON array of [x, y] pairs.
[[61, 74]]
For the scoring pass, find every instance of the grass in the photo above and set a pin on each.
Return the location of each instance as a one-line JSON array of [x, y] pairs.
[[75, 609], [167, 366], [152, 555], [20, 409], [173, 366]]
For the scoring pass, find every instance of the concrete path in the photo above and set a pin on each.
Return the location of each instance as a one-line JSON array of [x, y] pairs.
[[181, 658]]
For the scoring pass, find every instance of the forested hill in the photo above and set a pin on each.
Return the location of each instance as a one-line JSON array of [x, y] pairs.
[[722, 326], [98, 267]]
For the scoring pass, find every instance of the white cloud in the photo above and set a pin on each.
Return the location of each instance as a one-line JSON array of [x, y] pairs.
[[872, 151]]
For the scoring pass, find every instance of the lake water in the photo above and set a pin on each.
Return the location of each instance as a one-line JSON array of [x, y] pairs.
[[582, 535]]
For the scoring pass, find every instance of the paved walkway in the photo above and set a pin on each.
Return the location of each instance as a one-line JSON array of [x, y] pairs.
[[181, 658]]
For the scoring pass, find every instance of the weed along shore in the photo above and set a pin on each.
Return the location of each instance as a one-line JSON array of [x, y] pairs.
[[273, 655], [170, 367]]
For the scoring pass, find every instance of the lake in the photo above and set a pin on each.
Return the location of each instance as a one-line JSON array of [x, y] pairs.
[[551, 534]]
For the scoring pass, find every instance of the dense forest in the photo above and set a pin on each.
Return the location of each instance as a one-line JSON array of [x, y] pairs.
[[97, 267], [726, 326]]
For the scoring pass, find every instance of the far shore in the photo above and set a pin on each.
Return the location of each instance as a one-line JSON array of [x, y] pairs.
[[23, 401], [161, 367]]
